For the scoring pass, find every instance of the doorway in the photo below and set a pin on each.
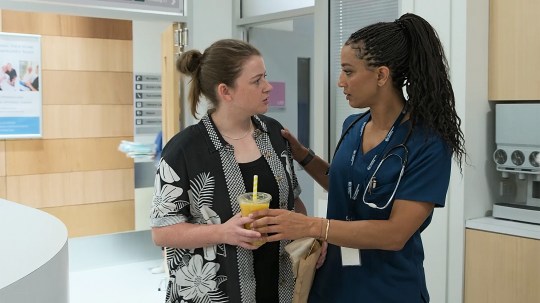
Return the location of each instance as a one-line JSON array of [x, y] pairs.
[[287, 48]]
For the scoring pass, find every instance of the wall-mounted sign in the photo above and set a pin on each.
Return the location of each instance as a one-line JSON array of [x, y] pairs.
[[20, 83], [277, 95], [147, 109]]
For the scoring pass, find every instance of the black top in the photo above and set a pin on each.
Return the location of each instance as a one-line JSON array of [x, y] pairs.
[[198, 182], [265, 258]]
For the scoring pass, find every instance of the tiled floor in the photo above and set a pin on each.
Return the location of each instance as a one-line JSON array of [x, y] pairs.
[[115, 268], [127, 283]]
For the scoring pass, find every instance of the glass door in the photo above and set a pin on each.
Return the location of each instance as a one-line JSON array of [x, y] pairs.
[[287, 48]]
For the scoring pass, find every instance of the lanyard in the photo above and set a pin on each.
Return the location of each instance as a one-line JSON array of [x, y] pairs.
[[353, 189]]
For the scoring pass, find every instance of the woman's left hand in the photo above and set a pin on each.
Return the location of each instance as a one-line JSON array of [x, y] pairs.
[[284, 224], [322, 256]]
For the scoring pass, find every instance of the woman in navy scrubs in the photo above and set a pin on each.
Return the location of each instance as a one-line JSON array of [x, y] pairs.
[[390, 170]]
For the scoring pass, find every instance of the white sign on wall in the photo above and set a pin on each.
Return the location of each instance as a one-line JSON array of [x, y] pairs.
[[147, 93], [20, 86]]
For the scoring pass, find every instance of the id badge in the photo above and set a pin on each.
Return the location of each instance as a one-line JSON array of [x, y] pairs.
[[350, 257]]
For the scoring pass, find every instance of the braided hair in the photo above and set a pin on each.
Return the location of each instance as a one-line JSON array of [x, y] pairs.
[[411, 49]]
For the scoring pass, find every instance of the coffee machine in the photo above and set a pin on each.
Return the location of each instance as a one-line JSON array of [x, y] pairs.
[[517, 157]]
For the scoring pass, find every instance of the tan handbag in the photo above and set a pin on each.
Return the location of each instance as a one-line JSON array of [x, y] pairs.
[[304, 254]]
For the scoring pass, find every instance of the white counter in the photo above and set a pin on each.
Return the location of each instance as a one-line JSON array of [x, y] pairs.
[[513, 228], [34, 263]]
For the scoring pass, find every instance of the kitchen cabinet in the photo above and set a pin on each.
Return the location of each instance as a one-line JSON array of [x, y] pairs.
[[514, 48], [501, 268]]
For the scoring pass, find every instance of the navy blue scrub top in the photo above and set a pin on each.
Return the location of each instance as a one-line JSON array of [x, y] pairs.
[[384, 276]]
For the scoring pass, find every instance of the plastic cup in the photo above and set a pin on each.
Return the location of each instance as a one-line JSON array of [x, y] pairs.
[[249, 205]]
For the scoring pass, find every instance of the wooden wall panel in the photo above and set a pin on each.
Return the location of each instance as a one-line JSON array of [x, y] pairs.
[[76, 171], [94, 219], [2, 158], [62, 189], [87, 121], [514, 28], [79, 87], [501, 268], [67, 53], [63, 25], [30, 157], [2, 170], [3, 186]]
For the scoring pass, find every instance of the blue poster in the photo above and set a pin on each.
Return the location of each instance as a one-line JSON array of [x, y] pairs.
[[20, 83]]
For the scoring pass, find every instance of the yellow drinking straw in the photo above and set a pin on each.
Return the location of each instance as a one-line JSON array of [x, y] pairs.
[[255, 181]]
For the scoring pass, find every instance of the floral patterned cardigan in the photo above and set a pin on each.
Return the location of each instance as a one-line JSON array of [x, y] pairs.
[[198, 181]]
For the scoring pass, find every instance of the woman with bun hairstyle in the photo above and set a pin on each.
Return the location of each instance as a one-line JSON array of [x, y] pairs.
[[205, 167]]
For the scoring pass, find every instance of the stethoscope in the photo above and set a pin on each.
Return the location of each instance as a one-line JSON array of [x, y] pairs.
[[372, 183]]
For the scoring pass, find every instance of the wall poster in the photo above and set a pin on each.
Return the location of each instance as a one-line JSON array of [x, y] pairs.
[[277, 95], [20, 84]]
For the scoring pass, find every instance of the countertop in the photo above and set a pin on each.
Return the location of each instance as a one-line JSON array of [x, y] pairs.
[[29, 237], [508, 227], [33, 256]]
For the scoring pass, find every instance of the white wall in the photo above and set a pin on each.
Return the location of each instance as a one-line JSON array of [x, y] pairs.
[[261, 7], [146, 60], [209, 20], [212, 20], [147, 46]]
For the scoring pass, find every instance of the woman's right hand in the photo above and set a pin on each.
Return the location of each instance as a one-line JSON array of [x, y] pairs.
[[299, 152], [235, 234]]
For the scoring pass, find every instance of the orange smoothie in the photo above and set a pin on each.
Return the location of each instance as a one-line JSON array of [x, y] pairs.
[[249, 205], [247, 208]]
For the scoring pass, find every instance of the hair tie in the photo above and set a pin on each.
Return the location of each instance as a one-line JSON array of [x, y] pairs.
[[400, 23]]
